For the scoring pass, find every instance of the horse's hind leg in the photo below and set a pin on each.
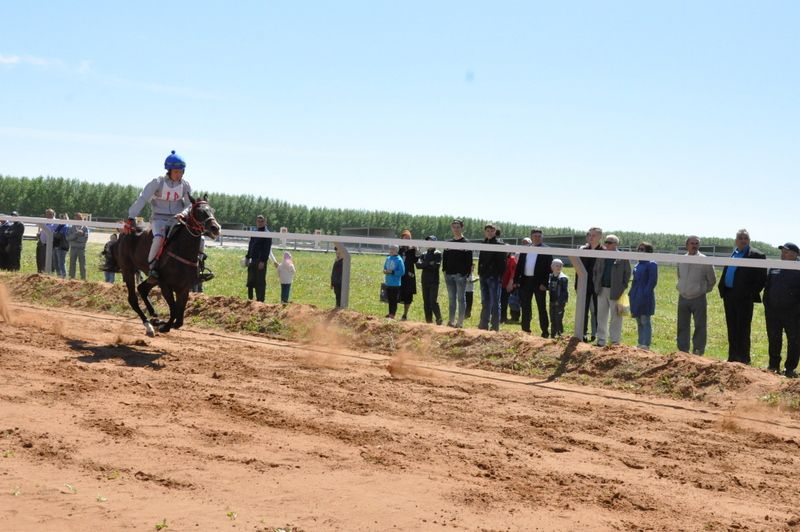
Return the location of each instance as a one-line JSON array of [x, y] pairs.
[[133, 301], [180, 307]]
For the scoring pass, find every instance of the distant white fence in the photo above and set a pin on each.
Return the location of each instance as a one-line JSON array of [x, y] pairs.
[[573, 255]]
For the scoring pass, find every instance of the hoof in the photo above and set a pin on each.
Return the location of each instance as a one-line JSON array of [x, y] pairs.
[[149, 330], [164, 328]]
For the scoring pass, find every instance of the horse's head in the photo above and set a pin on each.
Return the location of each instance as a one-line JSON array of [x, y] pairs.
[[202, 217]]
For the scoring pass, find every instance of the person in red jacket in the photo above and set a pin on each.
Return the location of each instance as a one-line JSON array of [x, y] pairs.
[[508, 289]]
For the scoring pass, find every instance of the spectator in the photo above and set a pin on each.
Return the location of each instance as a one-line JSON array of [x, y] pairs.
[[491, 265], [508, 288], [4, 243], [61, 247], [782, 312], [13, 231], [408, 285], [740, 287], [558, 288], [170, 199], [77, 235], [593, 237], [41, 240], [109, 266], [469, 291], [610, 278], [457, 266], [694, 282], [643, 296], [336, 276], [393, 269], [429, 263], [533, 271], [286, 271], [259, 253]]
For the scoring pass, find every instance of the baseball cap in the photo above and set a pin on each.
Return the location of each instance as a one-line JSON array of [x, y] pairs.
[[791, 247]]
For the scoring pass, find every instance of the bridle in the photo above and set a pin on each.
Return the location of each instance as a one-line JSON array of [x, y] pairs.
[[195, 226]]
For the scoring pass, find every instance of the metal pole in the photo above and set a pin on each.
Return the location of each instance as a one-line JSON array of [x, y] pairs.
[[345, 275], [580, 301], [48, 255]]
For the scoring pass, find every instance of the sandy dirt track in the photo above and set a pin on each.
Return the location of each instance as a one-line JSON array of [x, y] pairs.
[[103, 429]]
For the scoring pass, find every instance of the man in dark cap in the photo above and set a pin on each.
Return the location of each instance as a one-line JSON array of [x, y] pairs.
[[429, 263], [782, 312]]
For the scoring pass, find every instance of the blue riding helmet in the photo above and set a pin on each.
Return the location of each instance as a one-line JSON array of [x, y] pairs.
[[174, 162]]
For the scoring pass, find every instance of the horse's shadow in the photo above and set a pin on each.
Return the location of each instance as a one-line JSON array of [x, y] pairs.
[[129, 355]]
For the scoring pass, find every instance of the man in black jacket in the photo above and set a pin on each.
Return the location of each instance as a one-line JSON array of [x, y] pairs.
[[782, 312], [533, 270], [491, 265], [259, 253], [457, 266], [429, 264], [739, 288]]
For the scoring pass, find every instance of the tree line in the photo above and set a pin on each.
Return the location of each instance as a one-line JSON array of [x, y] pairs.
[[31, 196]]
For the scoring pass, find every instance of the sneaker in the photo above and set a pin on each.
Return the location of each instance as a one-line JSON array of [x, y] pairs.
[[790, 374], [601, 343], [438, 322], [404, 318], [773, 369]]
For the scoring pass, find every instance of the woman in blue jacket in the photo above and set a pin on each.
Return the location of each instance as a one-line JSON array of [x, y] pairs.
[[393, 270], [643, 295]]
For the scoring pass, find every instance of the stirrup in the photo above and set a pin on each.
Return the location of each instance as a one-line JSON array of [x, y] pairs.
[[206, 276]]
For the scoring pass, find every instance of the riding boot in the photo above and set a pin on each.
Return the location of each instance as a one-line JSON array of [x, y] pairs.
[[153, 275]]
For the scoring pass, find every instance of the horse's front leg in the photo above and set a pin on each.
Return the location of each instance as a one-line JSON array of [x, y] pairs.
[[169, 297], [180, 307]]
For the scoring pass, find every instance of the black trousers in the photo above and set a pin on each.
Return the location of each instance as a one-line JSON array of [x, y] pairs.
[[13, 259], [392, 294], [337, 291], [41, 254], [591, 303], [527, 292], [781, 321], [738, 318], [430, 302], [256, 281], [468, 297]]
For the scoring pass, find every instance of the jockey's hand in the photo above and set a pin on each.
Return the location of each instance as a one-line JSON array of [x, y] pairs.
[[180, 217], [129, 227]]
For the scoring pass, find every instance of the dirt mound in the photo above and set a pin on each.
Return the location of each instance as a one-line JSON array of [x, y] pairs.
[[676, 375]]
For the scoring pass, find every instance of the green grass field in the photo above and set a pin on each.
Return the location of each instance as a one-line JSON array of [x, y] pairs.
[[312, 286]]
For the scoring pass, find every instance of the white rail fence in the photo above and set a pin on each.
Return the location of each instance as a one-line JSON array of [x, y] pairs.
[[573, 255]]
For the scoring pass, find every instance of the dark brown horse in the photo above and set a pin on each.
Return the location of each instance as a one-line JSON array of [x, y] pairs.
[[177, 265]]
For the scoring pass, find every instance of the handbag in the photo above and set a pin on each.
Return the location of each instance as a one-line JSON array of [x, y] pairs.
[[624, 305], [383, 297]]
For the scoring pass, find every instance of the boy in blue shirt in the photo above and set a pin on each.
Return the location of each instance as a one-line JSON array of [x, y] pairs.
[[393, 270]]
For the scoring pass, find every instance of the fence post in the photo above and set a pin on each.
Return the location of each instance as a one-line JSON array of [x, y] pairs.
[[48, 255], [580, 300], [345, 274]]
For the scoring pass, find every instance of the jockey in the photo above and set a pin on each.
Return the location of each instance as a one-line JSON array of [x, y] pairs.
[[169, 198]]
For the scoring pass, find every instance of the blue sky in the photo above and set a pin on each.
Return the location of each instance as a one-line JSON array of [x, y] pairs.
[[653, 116]]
